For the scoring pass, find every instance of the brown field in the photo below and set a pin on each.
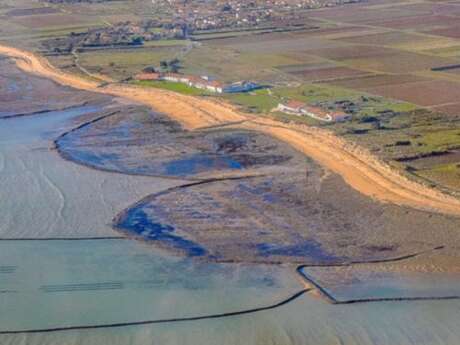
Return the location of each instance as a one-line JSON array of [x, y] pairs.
[[381, 59], [277, 42], [363, 14], [428, 93], [417, 22], [353, 52], [387, 39], [329, 73], [31, 11], [450, 109], [451, 31], [51, 20], [400, 63], [337, 31], [364, 83]]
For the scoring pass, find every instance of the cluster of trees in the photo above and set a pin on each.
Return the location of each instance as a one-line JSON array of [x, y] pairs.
[[120, 34], [172, 66]]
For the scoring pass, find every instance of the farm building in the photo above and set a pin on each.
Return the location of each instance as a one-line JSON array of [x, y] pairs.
[[292, 107], [203, 82], [206, 84], [242, 86], [148, 76], [301, 109]]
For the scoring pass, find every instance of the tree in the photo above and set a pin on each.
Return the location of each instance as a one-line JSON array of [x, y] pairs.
[[175, 61], [137, 40], [149, 69], [174, 68]]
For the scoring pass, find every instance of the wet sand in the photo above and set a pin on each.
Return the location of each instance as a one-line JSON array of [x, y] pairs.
[[250, 197]]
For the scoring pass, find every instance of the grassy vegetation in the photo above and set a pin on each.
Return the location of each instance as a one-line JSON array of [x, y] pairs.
[[124, 63], [448, 175], [259, 101], [166, 43], [438, 141], [263, 101], [171, 86]]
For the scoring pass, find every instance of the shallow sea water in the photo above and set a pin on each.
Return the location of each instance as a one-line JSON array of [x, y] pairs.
[[44, 195], [70, 283]]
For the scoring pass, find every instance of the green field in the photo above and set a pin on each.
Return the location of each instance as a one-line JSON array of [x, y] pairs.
[[171, 86]]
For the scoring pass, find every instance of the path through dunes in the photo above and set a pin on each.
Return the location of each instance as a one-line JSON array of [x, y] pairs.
[[358, 167]]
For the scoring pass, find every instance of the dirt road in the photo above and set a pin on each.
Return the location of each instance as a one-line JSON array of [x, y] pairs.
[[358, 167]]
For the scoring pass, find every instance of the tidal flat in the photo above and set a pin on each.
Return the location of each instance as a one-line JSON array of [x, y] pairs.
[[250, 197], [68, 278]]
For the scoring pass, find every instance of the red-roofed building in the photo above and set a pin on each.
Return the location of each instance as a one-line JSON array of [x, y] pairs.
[[292, 107], [148, 76], [301, 109]]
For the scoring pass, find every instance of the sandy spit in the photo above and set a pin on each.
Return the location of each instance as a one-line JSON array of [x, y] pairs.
[[360, 169]]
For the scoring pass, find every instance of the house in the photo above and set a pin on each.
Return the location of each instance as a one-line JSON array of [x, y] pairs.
[[292, 107], [175, 77], [148, 76], [215, 86], [301, 109], [206, 84], [242, 86]]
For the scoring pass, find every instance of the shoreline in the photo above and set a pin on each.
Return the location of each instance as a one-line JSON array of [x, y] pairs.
[[359, 168]]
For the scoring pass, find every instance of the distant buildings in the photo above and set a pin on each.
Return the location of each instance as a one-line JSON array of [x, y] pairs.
[[301, 109], [242, 86], [204, 82]]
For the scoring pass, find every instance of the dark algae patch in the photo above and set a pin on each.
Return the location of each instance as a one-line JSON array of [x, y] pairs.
[[137, 222], [136, 141], [303, 248], [199, 163]]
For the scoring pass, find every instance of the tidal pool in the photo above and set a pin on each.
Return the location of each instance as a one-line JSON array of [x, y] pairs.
[[49, 283]]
